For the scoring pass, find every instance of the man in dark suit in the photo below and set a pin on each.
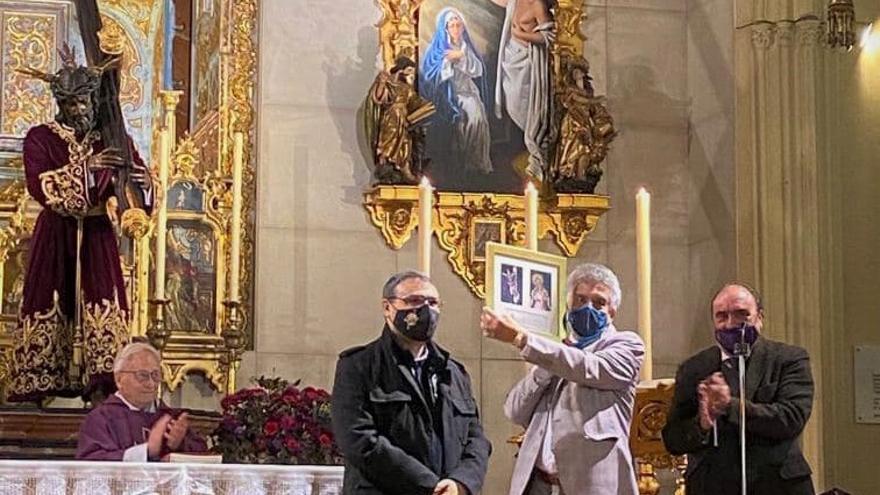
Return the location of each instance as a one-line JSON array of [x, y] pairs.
[[403, 411], [778, 395]]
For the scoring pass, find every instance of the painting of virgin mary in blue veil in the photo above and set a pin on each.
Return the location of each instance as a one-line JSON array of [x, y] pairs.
[[453, 77]]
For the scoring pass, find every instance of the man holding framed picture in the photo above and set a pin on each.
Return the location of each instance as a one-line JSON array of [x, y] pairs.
[[576, 402]]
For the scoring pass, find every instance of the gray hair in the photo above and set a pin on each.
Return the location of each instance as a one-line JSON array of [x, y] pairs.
[[389, 290], [130, 350], [592, 273]]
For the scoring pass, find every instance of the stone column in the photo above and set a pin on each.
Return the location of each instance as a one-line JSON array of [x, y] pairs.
[[779, 159]]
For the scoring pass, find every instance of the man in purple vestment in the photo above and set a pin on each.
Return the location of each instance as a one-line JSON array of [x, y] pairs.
[[131, 425], [74, 315]]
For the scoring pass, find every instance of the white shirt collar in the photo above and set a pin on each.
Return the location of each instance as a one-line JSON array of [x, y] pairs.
[[423, 355], [150, 409]]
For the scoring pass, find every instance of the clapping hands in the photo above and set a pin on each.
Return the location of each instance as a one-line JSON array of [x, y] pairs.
[[713, 395], [177, 431], [168, 430]]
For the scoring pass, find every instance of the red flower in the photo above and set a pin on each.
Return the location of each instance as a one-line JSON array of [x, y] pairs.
[[290, 395], [288, 423], [291, 444], [311, 394], [325, 439], [271, 428]]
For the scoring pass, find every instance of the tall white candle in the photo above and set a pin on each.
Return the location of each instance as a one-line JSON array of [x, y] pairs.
[[235, 224], [531, 217], [426, 229], [643, 254], [162, 217]]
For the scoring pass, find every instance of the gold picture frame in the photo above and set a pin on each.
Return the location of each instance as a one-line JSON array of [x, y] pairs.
[[527, 285]]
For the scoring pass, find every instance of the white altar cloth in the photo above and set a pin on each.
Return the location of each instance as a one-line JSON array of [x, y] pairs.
[[106, 478]]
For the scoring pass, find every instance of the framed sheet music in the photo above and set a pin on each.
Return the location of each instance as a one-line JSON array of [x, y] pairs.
[[527, 285]]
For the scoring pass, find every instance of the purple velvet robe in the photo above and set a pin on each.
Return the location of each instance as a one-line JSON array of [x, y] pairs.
[[57, 177], [113, 427]]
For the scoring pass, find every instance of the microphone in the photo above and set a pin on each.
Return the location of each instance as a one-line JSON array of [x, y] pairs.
[[742, 348]]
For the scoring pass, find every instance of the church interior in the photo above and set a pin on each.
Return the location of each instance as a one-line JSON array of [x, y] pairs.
[[286, 194]]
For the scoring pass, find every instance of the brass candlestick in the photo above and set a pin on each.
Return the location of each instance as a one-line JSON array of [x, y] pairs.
[[157, 332], [235, 340]]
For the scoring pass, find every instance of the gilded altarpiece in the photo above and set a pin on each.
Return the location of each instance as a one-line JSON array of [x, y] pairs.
[[479, 168], [199, 195]]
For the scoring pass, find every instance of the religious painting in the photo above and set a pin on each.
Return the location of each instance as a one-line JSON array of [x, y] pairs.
[[511, 284], [190, 283], [509, 269], [185, 196], [14, 270], [540, 290], [485, 231], [489, 80], [205, 85]]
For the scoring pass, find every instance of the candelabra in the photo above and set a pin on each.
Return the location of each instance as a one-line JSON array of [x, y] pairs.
[[157, 332], [234, 338]]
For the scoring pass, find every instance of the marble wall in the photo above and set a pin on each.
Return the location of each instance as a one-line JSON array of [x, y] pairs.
[[666, 67], [853, 107]]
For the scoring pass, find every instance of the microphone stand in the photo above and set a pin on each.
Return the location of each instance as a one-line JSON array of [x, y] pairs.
[[741, 351]]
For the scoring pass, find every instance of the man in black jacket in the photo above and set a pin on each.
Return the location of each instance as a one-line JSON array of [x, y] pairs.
[[403, 411], [779, 397]]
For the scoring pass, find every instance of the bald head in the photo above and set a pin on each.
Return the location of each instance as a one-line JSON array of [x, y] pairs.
[[736, 304]]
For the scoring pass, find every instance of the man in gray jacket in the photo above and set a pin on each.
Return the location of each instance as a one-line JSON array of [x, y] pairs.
[[577, 400]]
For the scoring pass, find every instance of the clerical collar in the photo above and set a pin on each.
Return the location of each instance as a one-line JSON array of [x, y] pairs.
[[150, 409]]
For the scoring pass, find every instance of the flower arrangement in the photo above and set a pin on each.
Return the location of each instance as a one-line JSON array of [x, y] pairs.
[[276, 422]]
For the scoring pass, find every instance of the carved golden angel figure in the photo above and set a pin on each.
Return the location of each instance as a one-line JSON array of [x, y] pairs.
[[585, 131]]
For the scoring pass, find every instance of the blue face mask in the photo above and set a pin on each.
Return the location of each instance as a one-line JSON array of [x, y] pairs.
[[587, 323]]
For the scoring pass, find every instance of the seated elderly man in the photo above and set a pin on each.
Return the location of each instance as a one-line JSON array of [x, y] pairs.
[[132, 425]]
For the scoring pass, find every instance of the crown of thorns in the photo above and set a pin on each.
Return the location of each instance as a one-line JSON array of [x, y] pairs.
[[71, 79]]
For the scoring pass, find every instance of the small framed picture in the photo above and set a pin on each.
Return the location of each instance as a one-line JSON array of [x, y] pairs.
[[484, 231], [527, 285]]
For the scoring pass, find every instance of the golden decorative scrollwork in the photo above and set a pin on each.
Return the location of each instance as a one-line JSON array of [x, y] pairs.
[[29, 40], [652, 404], [185, 159], [174, 371], [64, 187], [112, 36], [242, 71], [458, 214], [569, 15], [138, 11], [116, 41], [105, 326], [398, 32], [570, 218], [13, 238], [135, 223], [392, 209]]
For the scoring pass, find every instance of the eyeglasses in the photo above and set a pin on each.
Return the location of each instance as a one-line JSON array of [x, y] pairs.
[[417, 301], [144, 376]]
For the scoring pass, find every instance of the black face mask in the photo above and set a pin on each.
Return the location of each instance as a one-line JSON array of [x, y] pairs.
[[417, 323]]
